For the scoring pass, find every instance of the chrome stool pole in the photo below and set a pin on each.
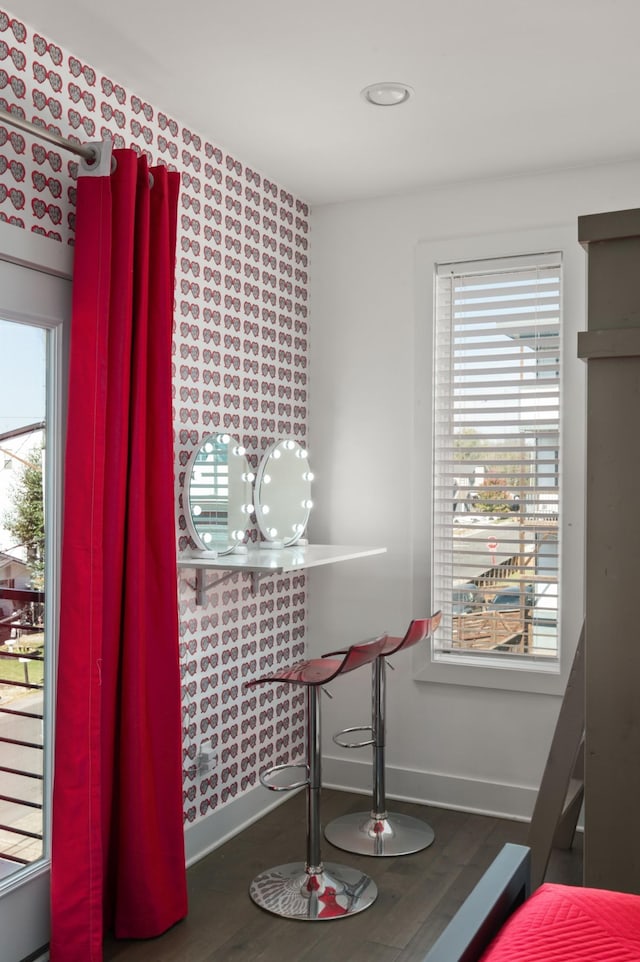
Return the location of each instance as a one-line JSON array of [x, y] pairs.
[[312, 890], [379, 832]]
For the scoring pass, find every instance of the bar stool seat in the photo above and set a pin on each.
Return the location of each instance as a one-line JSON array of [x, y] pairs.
[[379, 832], [313, 890]]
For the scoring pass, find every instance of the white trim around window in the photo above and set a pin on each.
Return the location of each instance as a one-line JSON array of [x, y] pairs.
[[35, 286], [506, 673]]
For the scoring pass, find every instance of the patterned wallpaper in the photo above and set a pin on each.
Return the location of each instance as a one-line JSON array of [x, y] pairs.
[[240, 364]]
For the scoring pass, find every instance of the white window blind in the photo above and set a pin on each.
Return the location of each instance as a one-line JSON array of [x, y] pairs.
[[496, 457]]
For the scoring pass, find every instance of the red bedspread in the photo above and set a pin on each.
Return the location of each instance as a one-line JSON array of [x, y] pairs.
[[562, 923]]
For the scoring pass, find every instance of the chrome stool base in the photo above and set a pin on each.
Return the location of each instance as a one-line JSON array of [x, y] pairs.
[[393, 834], [330, 892]]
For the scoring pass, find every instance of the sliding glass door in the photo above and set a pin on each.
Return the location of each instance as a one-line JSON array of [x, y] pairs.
[[34, 305]]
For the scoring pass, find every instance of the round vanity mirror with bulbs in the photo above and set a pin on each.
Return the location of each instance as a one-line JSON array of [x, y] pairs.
[[283, 494], [218, 487]]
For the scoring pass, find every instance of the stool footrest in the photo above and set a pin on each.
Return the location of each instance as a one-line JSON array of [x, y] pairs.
[[348, 731], [266, 775]]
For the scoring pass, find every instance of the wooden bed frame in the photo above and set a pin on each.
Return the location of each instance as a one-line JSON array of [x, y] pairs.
[[503, 887]]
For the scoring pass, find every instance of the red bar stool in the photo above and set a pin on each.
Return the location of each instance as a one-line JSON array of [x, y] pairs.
[[313, 890], [379, 832]]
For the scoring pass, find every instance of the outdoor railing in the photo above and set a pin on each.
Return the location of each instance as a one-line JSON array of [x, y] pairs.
[[21, 734]]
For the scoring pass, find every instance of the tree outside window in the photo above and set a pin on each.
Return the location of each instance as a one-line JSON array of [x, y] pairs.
[[25, 519]]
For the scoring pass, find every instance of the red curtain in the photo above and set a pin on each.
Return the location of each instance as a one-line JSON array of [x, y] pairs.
[[118, 845]]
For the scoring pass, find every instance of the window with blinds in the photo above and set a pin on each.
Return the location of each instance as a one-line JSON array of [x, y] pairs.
[[496, 457]]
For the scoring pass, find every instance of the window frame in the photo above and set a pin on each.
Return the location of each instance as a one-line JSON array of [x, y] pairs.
[[24, 896], [485, 671]]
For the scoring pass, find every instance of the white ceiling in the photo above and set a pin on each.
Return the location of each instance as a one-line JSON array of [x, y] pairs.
[[501, 87]]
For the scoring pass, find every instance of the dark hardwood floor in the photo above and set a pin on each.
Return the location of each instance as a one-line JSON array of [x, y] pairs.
[[418, 893]]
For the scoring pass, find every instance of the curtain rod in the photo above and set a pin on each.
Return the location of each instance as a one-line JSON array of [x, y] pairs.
[[88, 153]]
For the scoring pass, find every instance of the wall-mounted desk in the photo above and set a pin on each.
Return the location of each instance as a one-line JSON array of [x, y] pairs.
[[262, 562]]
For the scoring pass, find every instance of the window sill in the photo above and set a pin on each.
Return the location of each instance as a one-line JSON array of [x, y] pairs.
[[537, 678]]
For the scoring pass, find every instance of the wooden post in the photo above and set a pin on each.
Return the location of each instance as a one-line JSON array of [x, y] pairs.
[[611, 348], [557, 807]]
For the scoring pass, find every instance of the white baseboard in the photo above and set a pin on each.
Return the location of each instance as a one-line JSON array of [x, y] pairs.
[[219, 826], [432, 788], [478, 796]]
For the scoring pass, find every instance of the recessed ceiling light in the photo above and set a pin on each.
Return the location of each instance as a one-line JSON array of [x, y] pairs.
[[387, 94]]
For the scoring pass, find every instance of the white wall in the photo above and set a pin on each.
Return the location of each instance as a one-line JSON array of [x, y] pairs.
[[472, 747]]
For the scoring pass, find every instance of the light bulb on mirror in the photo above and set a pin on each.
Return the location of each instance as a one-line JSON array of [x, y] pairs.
[[275, 454], [302, 453], [206, 537], [247, 508], [249, 477], [266, 509], [289, 445], [196, 510], [239, 451], [208, 448], [237, 535], [273, 532], [266, 479], [224, 438], [308, 476], [307, 504]]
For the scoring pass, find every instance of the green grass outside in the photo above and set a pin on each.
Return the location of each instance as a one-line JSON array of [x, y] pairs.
[[11, 669]]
